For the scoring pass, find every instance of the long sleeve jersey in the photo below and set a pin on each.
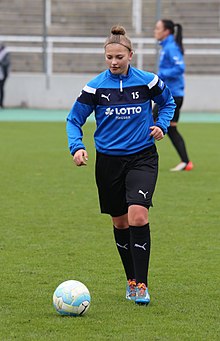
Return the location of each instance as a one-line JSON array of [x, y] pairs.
[[123, 112], [172, 66]]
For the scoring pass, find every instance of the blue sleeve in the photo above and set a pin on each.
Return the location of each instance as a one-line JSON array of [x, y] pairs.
[[166, 106], [174, 64], [75, 120]]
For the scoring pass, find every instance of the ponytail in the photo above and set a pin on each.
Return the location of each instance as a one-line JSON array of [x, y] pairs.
[[176, 30], [179, 36]]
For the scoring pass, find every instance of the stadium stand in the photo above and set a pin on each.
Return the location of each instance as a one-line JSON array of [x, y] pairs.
[[21, 17], [93, 18], [89, 18]]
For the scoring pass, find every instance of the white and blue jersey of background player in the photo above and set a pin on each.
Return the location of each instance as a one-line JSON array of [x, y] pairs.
[[123, 112], [172, 66]]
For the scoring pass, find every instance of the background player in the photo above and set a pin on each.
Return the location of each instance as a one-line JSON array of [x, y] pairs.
[[171, 71]]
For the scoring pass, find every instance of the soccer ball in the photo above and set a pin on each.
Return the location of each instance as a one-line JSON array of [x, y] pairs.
[[71, 298]]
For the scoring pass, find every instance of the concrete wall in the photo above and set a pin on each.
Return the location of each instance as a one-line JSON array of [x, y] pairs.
[[60, 91]]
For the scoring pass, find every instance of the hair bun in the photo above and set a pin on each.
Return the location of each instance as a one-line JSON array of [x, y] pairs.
[[118, 30]]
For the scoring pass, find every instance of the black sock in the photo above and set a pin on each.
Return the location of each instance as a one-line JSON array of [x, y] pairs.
[[122, 239], [178, 143], [140, 249]]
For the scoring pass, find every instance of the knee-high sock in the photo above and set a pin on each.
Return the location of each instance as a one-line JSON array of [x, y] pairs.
[[122, 239], [178, 143], [140, 249]]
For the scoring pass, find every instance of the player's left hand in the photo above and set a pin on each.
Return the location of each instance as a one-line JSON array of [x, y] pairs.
[[80, 157], [157, 133]]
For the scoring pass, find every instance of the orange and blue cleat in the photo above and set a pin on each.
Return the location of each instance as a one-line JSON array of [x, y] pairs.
[[142, 294]]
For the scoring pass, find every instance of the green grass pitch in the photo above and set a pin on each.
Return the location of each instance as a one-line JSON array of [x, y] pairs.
[[51, 230]]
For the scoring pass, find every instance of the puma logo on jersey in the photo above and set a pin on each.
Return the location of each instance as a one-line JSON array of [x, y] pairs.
[[107, 97], [144, 194]]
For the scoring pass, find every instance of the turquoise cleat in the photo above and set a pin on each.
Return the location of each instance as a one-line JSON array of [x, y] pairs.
[[131, 290], [142, 294]]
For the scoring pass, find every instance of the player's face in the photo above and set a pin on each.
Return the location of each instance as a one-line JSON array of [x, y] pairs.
[[118, 58], [160, 33]]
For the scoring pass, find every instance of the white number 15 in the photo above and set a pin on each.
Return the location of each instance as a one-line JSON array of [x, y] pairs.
[[135, 95]]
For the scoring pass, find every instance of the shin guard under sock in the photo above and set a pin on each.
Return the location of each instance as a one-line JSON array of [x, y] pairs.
[[122, 239], [140, 249]]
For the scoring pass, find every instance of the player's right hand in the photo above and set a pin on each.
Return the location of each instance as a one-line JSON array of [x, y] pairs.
[[80, 157]]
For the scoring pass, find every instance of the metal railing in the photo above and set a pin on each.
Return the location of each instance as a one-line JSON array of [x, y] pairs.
[[142, 46]]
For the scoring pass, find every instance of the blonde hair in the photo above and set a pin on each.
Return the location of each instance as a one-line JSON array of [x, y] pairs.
[[118, 36]]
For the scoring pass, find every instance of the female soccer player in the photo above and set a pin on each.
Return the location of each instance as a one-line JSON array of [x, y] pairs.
[[171, 71], [126, 159]]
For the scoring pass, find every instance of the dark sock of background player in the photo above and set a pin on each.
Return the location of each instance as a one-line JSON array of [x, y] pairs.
[[173, 133]]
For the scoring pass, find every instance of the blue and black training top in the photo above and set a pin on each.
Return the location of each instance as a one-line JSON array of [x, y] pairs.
[[123, 111]]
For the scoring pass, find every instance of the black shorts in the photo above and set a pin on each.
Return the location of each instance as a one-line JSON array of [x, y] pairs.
[[178, 101], [126, 180]]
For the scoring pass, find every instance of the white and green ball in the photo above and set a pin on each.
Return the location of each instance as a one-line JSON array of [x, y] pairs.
[[71, 298]]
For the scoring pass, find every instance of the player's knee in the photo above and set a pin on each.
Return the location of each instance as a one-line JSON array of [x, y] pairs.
[[138, 221], [172, 130], [120, 222], [137, 215]]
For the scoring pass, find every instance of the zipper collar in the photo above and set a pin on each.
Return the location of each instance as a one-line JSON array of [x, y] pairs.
[[121, 85], [121, 78], [113, 76]]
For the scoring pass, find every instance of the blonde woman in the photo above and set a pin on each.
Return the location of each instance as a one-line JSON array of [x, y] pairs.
[[127, 159]]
